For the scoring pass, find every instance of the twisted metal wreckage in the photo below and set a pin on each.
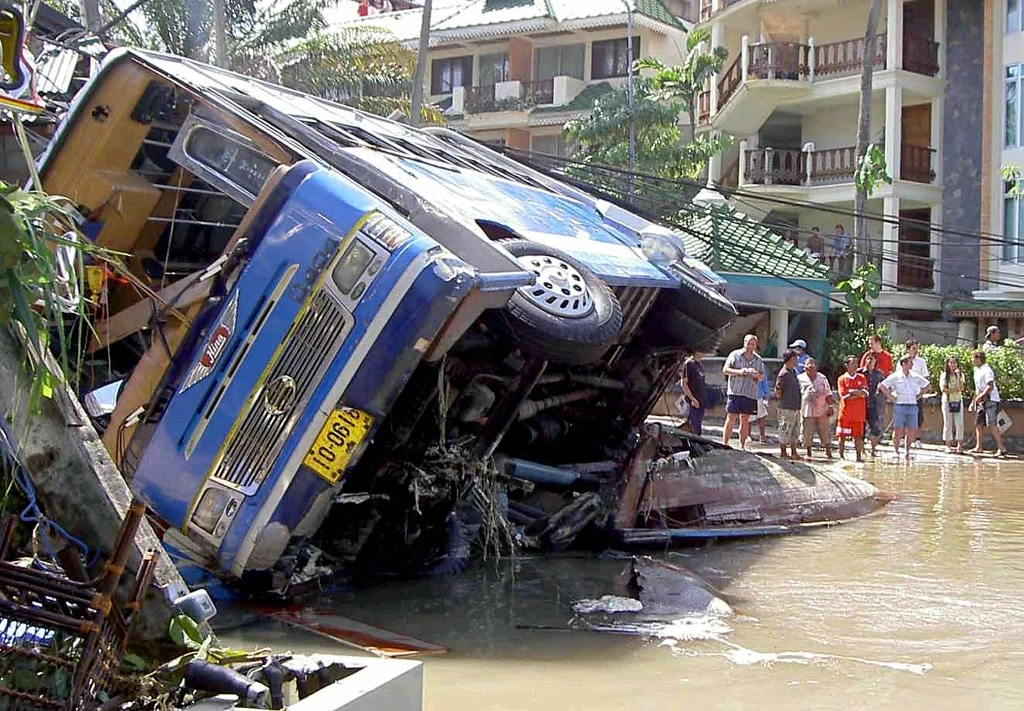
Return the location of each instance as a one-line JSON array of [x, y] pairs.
[[341, 344]]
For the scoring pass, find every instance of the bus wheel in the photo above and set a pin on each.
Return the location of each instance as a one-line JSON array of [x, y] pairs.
[[568, 315]]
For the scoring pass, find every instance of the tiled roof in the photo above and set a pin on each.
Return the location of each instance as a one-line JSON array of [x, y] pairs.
[[730, 241], [584, 101], [576, 10], [987, 307], [490, 13]]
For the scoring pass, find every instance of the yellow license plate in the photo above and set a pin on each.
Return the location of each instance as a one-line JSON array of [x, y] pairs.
[[344, 430]]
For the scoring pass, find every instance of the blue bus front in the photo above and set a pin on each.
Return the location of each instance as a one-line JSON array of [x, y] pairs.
[[286, 384]]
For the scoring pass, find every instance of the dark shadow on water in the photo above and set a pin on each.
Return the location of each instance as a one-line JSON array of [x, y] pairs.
[[508, 610]]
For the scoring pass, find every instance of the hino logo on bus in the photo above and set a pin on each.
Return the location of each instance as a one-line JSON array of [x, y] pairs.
[[215, 348], [280, 395]]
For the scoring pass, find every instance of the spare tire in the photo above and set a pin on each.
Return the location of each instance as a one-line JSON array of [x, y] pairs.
[[568, 315], [669, 327], [701, 303]]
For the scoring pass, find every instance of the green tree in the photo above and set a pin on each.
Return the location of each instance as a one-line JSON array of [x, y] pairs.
[[684, 83], [850, 338], [602, 136], [288, 42]]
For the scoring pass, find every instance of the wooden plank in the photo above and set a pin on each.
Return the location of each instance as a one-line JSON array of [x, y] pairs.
[[182, 294], [353, 633]]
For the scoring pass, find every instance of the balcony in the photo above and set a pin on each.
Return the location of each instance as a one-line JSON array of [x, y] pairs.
[[792, 167], [792, 69], [515, 95], [915, 272]]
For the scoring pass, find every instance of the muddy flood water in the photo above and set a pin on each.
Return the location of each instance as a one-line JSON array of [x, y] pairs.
[[920, 607]]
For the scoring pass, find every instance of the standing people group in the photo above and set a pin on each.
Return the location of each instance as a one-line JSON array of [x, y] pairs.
[[806, 399]]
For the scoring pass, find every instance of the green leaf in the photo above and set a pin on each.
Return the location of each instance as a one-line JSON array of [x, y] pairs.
[[185, 632]]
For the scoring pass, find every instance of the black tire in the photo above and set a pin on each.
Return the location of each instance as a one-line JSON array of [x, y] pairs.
[[701, 303], [562, 339]]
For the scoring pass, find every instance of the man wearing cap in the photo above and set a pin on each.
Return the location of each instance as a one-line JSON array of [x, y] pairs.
[[800, 346], [994, 339], [903, 388]]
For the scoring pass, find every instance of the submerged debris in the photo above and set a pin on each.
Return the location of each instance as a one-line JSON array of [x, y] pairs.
[[607, 603]]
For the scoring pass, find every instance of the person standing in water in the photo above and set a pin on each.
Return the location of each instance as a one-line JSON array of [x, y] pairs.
[[876, 401], [853, 397], [951, 384]]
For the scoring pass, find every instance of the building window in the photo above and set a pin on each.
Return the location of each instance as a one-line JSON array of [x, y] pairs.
[[493, 68], [554, 145], [610, 58], [446, 74], [562, 61], [1013, 16], [1012, 105], [1013, 227]]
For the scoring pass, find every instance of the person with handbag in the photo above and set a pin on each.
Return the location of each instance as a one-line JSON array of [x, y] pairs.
[[951, 383]]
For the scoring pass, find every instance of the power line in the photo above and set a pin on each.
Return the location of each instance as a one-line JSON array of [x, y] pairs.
[[734, 192]]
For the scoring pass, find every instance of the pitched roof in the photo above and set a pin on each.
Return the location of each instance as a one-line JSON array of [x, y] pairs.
[[987, 308], [730, 241], [497, 17]]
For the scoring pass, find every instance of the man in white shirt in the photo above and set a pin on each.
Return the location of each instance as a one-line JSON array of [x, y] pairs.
[[919, 366], [903, 388], [986, 403]]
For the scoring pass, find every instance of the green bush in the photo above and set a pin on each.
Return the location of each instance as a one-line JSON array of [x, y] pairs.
[[848, 340], [1007, 362]]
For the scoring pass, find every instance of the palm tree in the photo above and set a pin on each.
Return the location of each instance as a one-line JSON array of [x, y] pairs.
[[685, 83], [288, 42], [366, 68]]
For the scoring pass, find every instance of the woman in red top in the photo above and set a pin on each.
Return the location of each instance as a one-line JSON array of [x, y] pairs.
[[853, 407]]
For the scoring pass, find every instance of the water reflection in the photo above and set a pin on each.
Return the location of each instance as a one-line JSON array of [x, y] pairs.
[[919, 606]]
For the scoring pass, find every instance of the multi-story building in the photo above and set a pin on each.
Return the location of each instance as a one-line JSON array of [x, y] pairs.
[[999, 291], [514, 71], [789, 93]]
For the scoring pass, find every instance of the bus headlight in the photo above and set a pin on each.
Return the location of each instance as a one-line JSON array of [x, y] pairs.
[[663, 249], [210, 508]]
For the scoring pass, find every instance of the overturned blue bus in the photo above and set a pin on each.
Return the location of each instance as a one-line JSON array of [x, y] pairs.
[[359, 341]]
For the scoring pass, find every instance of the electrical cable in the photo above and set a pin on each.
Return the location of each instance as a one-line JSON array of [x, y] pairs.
[[32, 513], [726, 191]]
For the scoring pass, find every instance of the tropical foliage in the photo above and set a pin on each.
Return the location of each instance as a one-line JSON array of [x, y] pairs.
[[40, 257], [286, 42], [685, 83], [855, 327], [602, 137], [1007, 363]]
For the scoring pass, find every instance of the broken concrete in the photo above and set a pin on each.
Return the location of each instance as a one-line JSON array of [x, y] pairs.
[[78, 484]]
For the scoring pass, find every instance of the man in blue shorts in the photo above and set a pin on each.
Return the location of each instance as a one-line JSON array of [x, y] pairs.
[[903, 388], [744, 370]]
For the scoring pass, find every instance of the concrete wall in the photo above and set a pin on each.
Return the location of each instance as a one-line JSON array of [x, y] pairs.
[[836, 127], [961, 153]]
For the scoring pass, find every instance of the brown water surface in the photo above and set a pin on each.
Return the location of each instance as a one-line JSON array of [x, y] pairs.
[[920, 607]]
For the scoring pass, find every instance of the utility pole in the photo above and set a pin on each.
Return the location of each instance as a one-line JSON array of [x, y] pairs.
[[860, 201], [220, 25], [629, 86], [421, 66]]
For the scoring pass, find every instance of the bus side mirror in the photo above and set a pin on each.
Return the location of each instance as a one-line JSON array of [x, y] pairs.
[[12, 39]]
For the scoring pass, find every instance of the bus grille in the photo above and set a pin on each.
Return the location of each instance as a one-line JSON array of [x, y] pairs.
[[277, 403]]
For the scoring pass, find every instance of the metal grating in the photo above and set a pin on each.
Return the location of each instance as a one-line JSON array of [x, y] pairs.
[[635, 302], [265, 426]]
